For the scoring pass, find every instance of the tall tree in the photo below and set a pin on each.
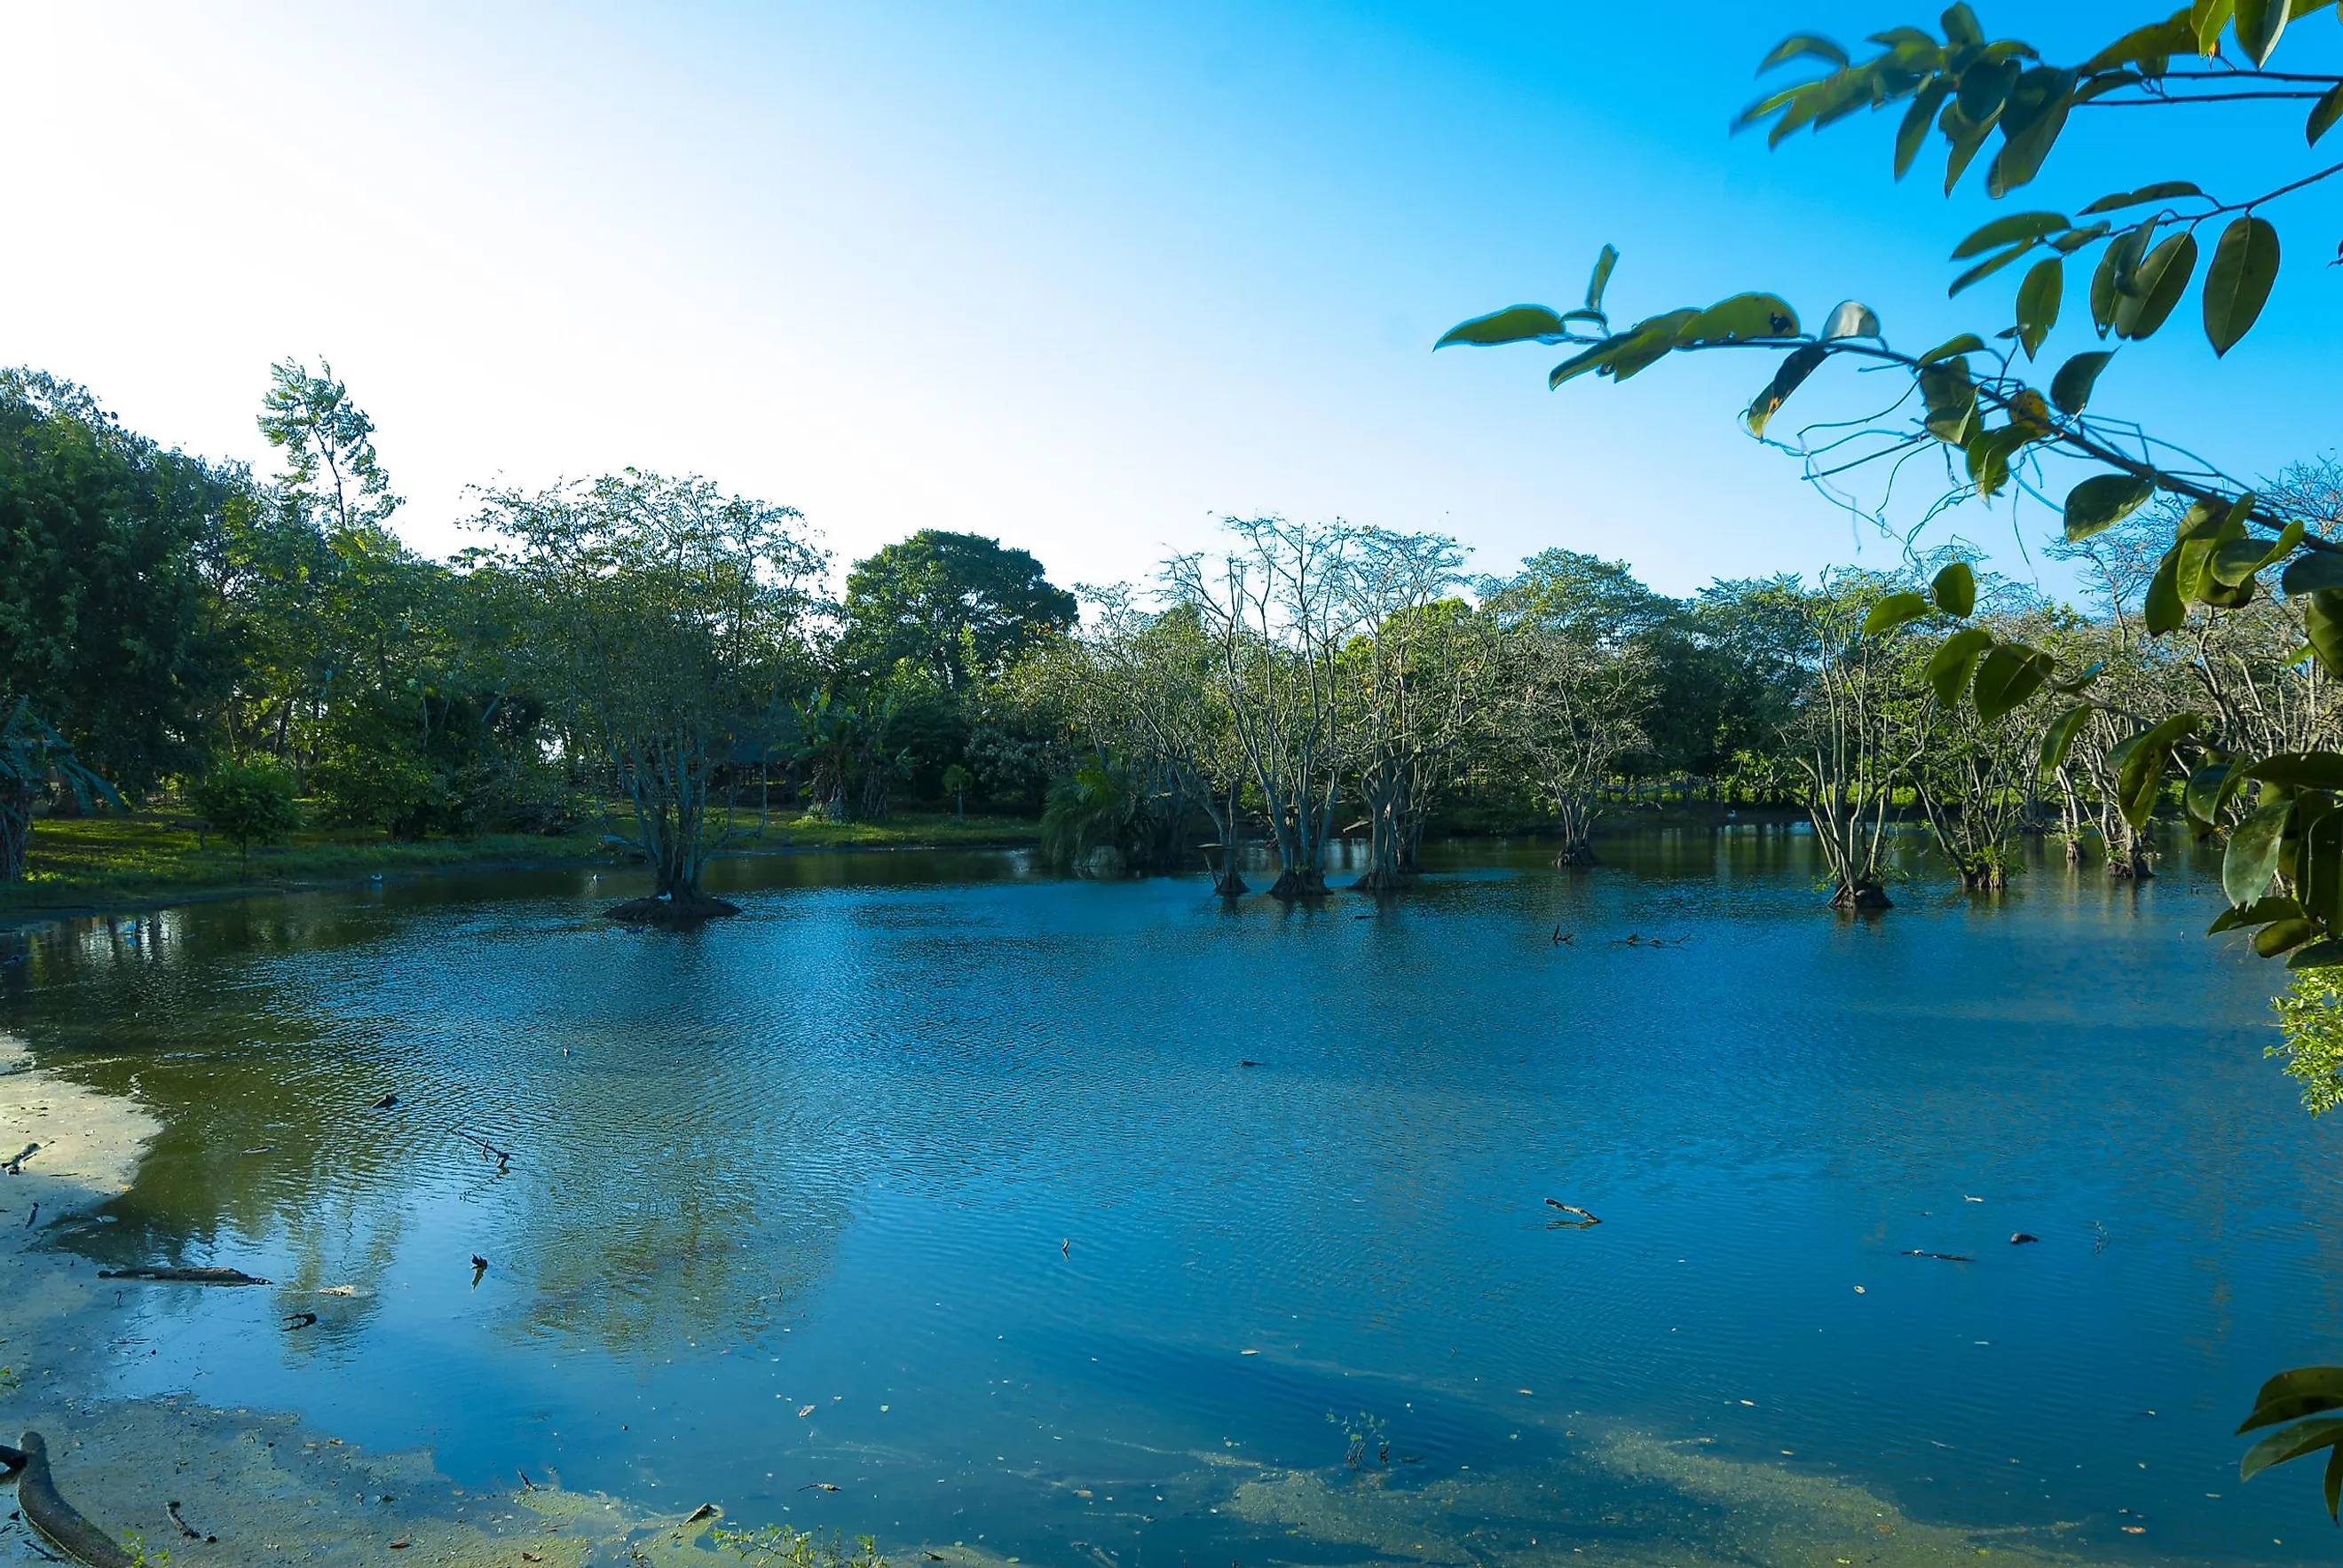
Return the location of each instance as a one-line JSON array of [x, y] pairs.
[[958, 606], [1276, 607], [104, 625], [328, 441], [666, 612]]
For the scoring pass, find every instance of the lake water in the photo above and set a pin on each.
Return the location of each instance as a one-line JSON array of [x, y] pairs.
[[941, 1181]]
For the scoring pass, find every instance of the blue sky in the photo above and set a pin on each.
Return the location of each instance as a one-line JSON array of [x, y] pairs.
[[1081, 277]]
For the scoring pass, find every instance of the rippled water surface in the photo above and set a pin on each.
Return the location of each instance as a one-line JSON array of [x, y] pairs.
[[946, 1183]]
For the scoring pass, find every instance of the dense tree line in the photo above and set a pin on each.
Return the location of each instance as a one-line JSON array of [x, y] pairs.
[[1309, 682], [263, 652], [177, 626]]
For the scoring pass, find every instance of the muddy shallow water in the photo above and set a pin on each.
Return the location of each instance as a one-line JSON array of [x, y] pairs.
[[940, 1180]]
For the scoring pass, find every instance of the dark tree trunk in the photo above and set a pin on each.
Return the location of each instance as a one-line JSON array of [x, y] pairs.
[[1292, 885], [1861, 896], [687, 908]]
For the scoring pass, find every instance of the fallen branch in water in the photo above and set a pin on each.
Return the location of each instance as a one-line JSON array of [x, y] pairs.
[[1586, 1219], [58, 1521], [185, 1529], [503, 1156], [16, 1166], [1940, 1257], [186, 1276]]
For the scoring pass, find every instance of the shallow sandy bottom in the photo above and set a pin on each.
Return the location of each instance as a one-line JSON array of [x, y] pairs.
[[259, 1487]]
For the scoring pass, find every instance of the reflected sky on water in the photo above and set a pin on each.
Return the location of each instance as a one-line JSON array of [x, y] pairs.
[[940, 1180]]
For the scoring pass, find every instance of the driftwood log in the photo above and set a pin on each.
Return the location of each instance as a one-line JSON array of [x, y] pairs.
[[58, 1521], [186, 1276]]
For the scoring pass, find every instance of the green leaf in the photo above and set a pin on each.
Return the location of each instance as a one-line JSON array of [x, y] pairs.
[[1985, 88], [2165, 611], [2154, 42], [2105, 295], [2239, 559], [1894, 610], [2163, 190], [2038, 303], [2073, 240], [1987, 268], [2059, 739], [1950, 666], [1739, 319], [2322, 626], [2251, 859], [2260, 912], [1954, 589], [2006, 678], [2276, 938], [2070, 389], [2299, 770], [2099, 503], [1989, 455], [2237, 283], [2309, 1437], [1916, 121], [1795, 366], [1515, 323], [2330, 1485], [2031, 124], [2159, 281], [2209, 791], [1965, 136], [1800, 44], [2318, 864], [2321, 955], [2259, 23], [2291, 1395], [2206, 20], [1950, 397], [2312, 571], [2324, 113], [1960, 24], [1952, 347], [2141, 770], [1604, 260], [2010, 230], [1649, 341], [1849, 318], [1597, 357]]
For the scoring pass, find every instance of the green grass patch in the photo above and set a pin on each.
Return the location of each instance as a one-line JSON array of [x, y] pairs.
[[906, 830], [76, 861]]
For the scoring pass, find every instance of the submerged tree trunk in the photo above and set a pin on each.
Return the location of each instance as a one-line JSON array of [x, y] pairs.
[[1291, 884], [1861, 896], [665, 779], [1578, 818]]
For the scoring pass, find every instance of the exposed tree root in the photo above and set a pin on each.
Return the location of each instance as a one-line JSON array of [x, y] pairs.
[[1292, 885], [676, 911], [58, 1521], [1861, 896]]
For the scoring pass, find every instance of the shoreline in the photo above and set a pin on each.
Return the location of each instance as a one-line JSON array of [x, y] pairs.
[[253, 1485], [21, 918]]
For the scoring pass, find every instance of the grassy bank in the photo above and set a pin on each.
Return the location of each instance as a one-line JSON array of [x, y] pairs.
[[144, 858]]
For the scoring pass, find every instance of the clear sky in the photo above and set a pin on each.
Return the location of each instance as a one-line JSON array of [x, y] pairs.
[[1082, 277]]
